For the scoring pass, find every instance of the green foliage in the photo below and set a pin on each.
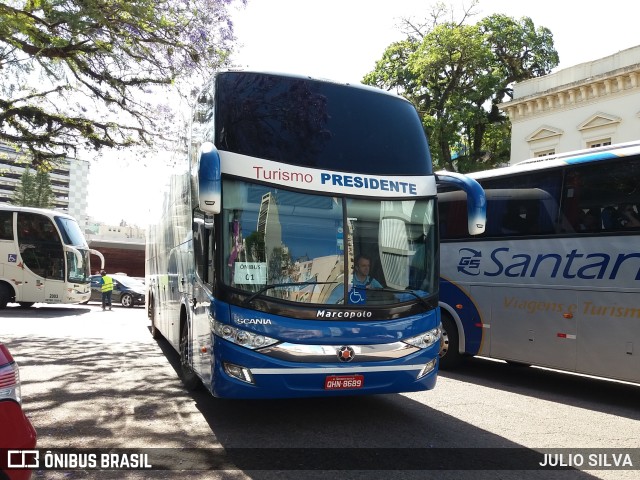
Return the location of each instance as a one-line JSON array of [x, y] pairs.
[[456, 75], [34, 190], [89, 74]]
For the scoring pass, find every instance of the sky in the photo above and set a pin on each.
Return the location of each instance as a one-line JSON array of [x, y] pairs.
[[342, 40]]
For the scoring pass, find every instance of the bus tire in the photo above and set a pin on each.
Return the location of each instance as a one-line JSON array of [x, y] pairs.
[[26, 304], [189, 378], [155, 333], [450, 356], [5, 295]]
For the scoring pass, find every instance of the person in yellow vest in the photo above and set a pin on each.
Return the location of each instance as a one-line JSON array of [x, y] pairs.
[[106, 286]]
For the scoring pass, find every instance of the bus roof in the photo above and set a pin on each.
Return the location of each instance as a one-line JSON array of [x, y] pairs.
[[44, 211], [361, 86], [607, 152]]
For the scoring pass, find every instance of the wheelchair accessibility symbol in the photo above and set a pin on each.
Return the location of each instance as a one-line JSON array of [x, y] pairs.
[[357, 295], [12, 258]]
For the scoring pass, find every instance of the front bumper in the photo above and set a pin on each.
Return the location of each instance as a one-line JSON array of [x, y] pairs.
[[277, 378]]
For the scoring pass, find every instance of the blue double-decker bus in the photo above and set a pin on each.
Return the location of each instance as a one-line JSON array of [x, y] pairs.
[[289, 183]]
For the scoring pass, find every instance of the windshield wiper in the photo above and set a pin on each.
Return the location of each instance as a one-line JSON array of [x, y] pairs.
[[405, 290], [286, 284]]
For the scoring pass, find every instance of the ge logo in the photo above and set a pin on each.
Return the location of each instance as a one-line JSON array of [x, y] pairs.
[[469, 262]]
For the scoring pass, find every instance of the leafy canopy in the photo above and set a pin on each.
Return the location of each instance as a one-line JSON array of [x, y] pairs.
[[456, 74], [88, 74]]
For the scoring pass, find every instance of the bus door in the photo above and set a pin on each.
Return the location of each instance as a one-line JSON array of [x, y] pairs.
[[54, 290], [42, 259]]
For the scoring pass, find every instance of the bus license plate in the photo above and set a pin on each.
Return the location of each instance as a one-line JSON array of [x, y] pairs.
[[341, 382]]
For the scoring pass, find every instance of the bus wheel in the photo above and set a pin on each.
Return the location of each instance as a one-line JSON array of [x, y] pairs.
[[450, 356], [26, 304], [5, 295], [155, 333], [189, 378]]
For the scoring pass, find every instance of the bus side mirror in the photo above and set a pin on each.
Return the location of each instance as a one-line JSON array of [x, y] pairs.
[[476, 199], [208, 179], [76, 253], [99, 255]]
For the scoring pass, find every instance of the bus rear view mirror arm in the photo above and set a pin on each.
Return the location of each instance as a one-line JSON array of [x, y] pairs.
[[476, 200], [208, 179], [77, 254], [99, 255]]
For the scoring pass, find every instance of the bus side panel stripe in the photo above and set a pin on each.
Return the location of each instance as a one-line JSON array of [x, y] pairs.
[[472, 321]]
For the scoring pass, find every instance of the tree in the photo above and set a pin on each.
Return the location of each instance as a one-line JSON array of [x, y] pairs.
[[457, 74], [89, 74], [33, 190]]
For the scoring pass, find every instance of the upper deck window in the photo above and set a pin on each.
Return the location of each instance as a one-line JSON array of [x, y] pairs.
[[319, 124]]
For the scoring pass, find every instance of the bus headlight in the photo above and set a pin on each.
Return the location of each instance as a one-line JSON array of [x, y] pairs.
[[428, 368], [241, 373], [426, 339], [241, 337]]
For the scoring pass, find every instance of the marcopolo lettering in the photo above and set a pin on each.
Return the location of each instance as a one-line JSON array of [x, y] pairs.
[[343, 314], [575, 264], [355, 181]]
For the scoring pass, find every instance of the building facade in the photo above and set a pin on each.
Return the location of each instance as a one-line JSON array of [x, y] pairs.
[[122, 245], [588, 105], [69, 182]]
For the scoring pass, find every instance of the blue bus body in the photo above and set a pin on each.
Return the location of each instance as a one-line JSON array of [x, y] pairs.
[[284, 376], [250, 268]]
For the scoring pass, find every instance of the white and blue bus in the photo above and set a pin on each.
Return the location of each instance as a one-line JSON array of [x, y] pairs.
[[249, 269], [44, 257], [554, 280]]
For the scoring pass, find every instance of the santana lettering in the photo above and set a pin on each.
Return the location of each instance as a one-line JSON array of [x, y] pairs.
[[575, 264]]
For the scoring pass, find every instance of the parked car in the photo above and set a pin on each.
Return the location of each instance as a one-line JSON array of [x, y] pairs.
[[127, 291], [16, 431]]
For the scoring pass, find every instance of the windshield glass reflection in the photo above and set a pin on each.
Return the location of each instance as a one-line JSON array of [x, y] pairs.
[[296, 246]]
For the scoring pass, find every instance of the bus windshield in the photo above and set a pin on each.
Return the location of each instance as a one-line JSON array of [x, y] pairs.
[[79, 272], [71, 232], [301, 247]]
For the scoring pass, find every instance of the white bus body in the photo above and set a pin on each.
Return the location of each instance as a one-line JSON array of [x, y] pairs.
[[44, 257], [555, 279]]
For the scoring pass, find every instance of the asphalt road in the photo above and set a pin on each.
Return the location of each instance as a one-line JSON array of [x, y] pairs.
[[94, 379]]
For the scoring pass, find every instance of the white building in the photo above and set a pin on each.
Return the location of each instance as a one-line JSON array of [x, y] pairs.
[[69, 182], [119, 233], [588, 105]]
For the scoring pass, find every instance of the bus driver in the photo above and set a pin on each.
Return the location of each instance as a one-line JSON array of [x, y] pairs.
[[361, 277]]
